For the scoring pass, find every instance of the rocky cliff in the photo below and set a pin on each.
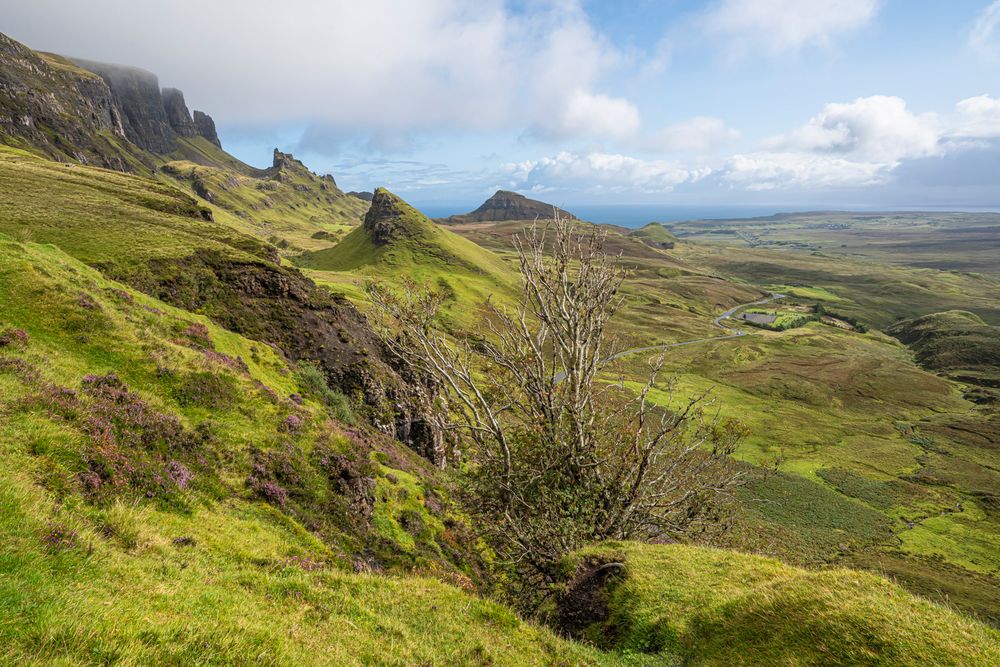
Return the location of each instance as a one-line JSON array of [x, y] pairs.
[[90, 112], [153, 118], [206, 127], [506, 205], [61, 111], [177, 113]]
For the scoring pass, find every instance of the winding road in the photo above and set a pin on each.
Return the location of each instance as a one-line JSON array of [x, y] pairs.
[[734, 333]]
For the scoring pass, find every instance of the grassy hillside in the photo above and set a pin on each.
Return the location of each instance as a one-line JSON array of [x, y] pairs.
[[107, 217], [655, 235], [398, 241], [167, 473], [947, 241], [957, 342], [227, 537], [705, 607], [286, 204], [875, 293]]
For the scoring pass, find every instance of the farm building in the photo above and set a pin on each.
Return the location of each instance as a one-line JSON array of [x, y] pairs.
[[758, 318]]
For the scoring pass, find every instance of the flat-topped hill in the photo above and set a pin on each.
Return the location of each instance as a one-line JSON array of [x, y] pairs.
[[506, 205]]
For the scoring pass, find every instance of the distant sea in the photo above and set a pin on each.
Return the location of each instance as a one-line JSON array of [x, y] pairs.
[[637, 215]]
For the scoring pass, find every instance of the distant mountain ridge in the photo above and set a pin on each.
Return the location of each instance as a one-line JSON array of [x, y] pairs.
[[505, 205], [118, 117]]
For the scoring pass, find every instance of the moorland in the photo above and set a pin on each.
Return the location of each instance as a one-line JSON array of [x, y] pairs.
[[208, 455]]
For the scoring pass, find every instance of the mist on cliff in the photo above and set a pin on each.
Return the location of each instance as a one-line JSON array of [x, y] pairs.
[[383, 66]]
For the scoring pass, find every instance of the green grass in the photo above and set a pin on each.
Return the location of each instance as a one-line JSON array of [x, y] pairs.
[[246, 582], [419, 250], [107, 217], [702, 606], [655, 234], [290, 206]]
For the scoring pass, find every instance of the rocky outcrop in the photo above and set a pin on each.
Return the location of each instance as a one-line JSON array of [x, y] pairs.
[[389, 218], [61, 111], [280, 306], [506, 205], [177, 113], [137, 93], [206, 127], [71, 110]]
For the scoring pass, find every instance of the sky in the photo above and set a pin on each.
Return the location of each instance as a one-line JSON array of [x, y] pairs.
[[803, 103]]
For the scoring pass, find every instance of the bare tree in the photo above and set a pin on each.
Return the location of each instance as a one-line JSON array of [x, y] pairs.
[[560, 454]]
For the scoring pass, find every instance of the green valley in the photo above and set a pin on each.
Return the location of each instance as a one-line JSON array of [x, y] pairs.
[[246, 417]]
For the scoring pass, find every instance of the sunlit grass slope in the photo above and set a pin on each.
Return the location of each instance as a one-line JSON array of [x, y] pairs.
[[286, 204], [164, 499], [102, 216], [702, 606], [397, 241]]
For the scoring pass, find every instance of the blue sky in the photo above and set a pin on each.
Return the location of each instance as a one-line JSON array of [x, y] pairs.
[[763, 102]]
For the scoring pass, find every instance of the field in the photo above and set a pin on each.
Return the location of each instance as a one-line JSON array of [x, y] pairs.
[[872, 471], [965, 242]]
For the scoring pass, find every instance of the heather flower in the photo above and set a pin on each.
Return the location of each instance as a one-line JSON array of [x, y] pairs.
[[55, 401], [235, 363], [16, 339], [120, 294], [20, 368], [272, 492], [85, 301], [306, 564], [179, 474], [58, 537], [197, 331], [291, 424]]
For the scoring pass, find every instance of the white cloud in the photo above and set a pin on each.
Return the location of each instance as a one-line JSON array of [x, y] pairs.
[[978, 117], [601, 171], [593, 115], [875, 129], [984, 37], [769, 171], [379, 66], [776, 27], [697, 134], [846, 145]]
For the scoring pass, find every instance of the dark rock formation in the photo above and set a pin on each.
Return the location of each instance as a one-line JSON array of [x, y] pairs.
[[389, 218], [280, 306], [285, 161], [67, 108], [137, 93], [505, 205], [177, 112], [57, 109], [206, 127]]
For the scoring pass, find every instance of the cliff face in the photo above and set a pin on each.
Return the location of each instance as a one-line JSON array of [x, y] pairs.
[[206, 127], [506, 205], [137, 93], [177, 112], [82, 111], [57, 109]]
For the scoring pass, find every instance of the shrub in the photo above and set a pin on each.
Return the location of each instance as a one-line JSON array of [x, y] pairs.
[[197, 332], [15, 339], [312, 381], [19, 368], [291, 424], [215, 391], [132, 446], [59, 537]]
